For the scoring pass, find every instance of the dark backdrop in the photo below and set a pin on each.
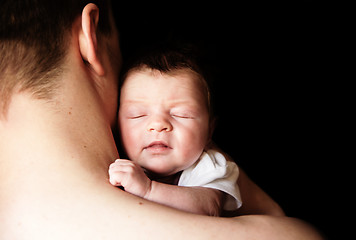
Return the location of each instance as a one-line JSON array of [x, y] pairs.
[[269, 98]]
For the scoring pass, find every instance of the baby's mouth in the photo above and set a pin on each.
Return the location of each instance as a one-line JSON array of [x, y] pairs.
[[157, 147]]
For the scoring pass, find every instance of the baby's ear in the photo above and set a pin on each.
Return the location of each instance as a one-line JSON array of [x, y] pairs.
[[88, 38]]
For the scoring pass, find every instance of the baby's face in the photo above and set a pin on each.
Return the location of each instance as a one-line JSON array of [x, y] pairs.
[[163, 119]]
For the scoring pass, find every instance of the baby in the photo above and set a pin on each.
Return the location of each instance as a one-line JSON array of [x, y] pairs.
[[166, 124]]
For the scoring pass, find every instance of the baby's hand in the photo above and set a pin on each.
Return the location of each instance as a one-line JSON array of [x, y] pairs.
[[131, 176]]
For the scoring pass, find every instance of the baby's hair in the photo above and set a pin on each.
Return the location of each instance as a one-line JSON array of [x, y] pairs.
[[167, 60]]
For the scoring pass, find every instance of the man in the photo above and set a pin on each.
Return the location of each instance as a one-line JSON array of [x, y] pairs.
[[58, 96]]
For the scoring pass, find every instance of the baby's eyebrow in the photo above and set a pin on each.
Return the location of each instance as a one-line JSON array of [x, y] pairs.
[[136, 100], [170, 104], [132, 102], [179, 102], [185, 104]]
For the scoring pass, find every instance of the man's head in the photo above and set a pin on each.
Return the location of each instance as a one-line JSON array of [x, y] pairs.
[[34, 40]]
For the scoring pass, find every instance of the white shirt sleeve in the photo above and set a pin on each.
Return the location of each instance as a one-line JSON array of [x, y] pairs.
[[212, 170]]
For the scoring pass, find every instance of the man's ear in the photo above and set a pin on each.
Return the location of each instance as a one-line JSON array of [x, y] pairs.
[[88, 43]]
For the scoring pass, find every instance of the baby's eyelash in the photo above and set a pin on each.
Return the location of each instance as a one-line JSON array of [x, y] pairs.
[[136, 116], [182, 116]]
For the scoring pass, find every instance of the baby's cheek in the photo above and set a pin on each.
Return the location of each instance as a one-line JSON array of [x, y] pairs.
[[130, 141], [193, 146]]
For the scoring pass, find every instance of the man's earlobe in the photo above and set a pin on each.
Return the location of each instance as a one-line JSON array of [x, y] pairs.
[[88, 38]]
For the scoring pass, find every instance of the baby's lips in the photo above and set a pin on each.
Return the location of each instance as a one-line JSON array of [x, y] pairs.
[[157, 144]]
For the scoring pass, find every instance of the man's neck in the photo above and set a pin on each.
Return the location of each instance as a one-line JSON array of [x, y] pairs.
[[71, 135]]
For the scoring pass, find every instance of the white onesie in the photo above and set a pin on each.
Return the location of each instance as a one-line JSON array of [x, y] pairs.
[[212, 170]]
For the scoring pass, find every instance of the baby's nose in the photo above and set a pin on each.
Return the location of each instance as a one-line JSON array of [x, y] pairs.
[[160, 124]]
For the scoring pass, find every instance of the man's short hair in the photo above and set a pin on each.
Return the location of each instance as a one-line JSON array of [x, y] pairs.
[[34, 37]]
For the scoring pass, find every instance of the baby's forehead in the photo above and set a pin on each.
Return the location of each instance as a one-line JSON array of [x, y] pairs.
[[180, 73], [140, 80]]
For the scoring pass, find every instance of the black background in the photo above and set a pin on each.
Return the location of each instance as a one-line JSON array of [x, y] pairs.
[[270, 97]]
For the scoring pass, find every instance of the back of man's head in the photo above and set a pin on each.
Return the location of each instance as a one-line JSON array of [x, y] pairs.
[[34, 37]]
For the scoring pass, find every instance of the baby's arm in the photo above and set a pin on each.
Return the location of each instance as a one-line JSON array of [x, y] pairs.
[[199, 200]]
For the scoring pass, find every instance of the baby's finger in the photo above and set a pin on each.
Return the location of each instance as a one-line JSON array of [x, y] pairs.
[[122, 161], [119, 162], [115, 179]]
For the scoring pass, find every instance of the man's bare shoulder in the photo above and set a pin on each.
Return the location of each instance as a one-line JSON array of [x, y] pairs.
[[65, 211]]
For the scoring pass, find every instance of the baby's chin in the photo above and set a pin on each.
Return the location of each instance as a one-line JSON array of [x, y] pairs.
[[158, 165], [159, 168]]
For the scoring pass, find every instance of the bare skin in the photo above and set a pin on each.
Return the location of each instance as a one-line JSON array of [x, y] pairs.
[[54, 157], [61, 190]]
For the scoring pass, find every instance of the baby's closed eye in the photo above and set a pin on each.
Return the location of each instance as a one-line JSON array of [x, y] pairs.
[[136, 116], [182, 115], [133, 112], [186, 114]]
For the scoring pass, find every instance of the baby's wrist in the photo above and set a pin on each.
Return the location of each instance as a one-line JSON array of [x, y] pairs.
[[147, 195]]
